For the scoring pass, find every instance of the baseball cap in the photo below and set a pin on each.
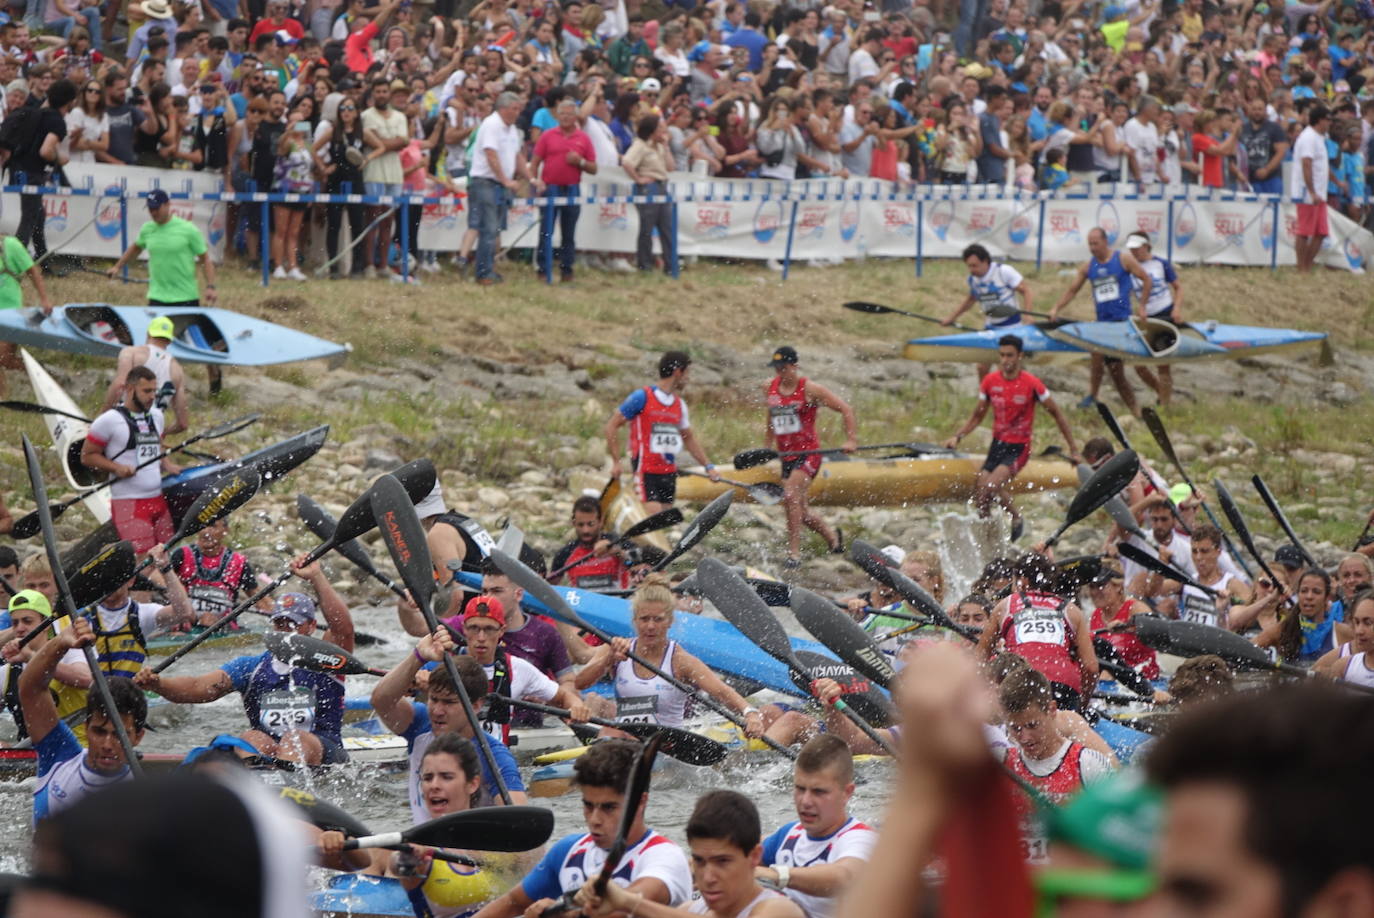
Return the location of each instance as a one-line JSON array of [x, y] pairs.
[[157, 197], [433, 503], [31, 599], [1107, 572], [650, 84], [1183, 108], [296, 606], [398, 85], [1137, 240], [1179, 493], [784, 355], [1289, 556], [161, 327], [485, 607], [284, 37], [893, 554]]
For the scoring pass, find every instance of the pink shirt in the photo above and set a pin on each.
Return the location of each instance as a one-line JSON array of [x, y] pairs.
[[552, 149]]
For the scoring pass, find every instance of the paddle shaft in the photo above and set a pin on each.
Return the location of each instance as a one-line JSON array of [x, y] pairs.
[[1131, 553], [756, 491], [1363, 532], [35, 408], [880, 309], [638, 529], [1281, 518], [1155, 426], [318, 521], [759, 456], [1228, 507], [671, 733], [64, 598], [704, 522]]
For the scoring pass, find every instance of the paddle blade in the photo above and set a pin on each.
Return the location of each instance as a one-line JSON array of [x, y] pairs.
[[27, 526], [417, 477], [318, 521], [1074, 572], [1108, 481], [751, 458], [313, 654], [33, 408], [325, 815], [1113, 425], [102, 575], [1151, 563], [877, 309], [660, 520], [539, 589], [836, 630], [1191, 639], [871, 561], [743, 608], [1281, 518], [705, 521], [222, 497], [228, 427], [766, 493], [1155, 426], [493, 828], [772, 592], [1116, 507], [683, 745], [405, 538], [859, 692]]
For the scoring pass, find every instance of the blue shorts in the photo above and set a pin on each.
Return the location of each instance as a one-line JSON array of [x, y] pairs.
[[377, 189]]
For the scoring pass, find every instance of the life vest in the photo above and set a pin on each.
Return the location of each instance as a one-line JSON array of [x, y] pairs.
[[299, 699], [496, 717], [122, 651], [792, 418], [1037, 629], [449, 887], [1138, 655], [1058, 785], [212, 590], [144, 438], [477, 542], [656, 435]]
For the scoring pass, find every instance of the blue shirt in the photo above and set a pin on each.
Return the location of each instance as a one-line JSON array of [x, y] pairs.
[[63, 775], [544, 119], [505, 761], [1111, 287], [991, 169], [542, 882], [751, 39], [1037, 124]]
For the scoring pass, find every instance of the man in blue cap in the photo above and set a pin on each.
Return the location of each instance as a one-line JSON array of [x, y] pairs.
[[174, 246]]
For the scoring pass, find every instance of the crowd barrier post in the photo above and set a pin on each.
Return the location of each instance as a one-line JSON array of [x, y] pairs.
[[1040, 238], [544, 256], [674, 260], [920, 238], [787, 253], [405, 239], [124, 228], [1274, 249], [265, 242], [1169, 232]]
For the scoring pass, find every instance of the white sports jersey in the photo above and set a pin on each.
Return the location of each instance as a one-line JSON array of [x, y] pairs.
[[654, 700], [793, 847], [1196, 606], [996, 290], [575, 859], [1358, 672]]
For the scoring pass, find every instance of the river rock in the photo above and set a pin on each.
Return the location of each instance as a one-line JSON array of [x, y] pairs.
[[493, 498]]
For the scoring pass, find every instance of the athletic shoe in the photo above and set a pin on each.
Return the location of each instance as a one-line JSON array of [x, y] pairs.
[[295, 274], [791, 564], [370, 273], [594, 261], [774, 265], [280, 273], [429, 267], [1086, 402], [621, 265]]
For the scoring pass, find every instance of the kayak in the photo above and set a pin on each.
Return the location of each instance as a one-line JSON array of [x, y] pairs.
[[1134, 341], [204, 334], [68, 436], [169, 642], [718, 644], [353, 895], [527, 743], [844, 481]]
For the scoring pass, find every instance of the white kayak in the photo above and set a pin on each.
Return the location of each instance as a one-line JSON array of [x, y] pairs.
[[68, 435]]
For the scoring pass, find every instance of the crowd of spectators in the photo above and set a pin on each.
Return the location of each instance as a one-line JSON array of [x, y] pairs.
[[328, 95]]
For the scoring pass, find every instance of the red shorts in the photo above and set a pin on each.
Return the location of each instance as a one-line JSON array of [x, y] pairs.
[[1312, 220], [808, 464], [144, 521]]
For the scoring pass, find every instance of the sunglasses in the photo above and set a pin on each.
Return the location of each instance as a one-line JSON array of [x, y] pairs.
[[348, 108]]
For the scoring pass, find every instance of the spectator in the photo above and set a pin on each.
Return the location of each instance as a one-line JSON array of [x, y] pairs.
[[993, 158], [647, 162], [669, 51], [88, 127], [751, 39], [738, 154], [1109, 150], [626, 113], [342, 150], [1212, 150], [779, 142], [37, 160], [1308, 184], [1141, 137], [701, 82], [863, 62], [386, 131], [1265, 145], [857, 139], [294, 174], [565, 153], [498, 163], [628, 47]]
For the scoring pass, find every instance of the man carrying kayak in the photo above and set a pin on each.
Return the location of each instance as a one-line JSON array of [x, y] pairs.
[[816, 858], [1110, 273], [659, 431], [214, 575], [66, 772], [652, 866], [1165, 303], [175, 246], [723, 834], [994, 286], [1012, 393], [596, 563], [154, 355], [793, 401], [294, 714], [123, 625], [71, 675], [418, 724], [131, 433]]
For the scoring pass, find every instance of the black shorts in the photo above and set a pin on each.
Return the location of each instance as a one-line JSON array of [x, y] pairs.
[[1002, 453], [811, 464], [661, 489]]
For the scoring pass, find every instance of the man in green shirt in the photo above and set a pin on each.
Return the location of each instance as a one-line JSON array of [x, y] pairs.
[[174, 247], [14, 264]]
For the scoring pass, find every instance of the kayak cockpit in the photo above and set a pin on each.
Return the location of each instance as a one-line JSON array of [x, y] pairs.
[[195, 331]]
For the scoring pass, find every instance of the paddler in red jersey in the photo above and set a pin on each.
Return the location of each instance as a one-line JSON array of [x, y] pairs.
[[1049, 631], [596, 564], [659, 431], [793, 401], [1012, 393]]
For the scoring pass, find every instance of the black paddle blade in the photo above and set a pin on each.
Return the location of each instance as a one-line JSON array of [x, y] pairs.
[[1116, 507], [766, 493], [539, 589], [34, 408], [1237, 521], [773, 592], [1150, 562], [1108, 481], [226, 494], [493, 828], [871, 561], [102, 575], [877, 309], [1281, 518], [859, 692], [318, 521], [705, 521], [1112, 424], [417, 477], [1074, 572], [27, 526], [635, 789], [312, 653], [405, 538], [836, 630], [750, 458], [660, 520], [1155, 425], [683, 745], [743, 608], [325, 815], [1191, 639]]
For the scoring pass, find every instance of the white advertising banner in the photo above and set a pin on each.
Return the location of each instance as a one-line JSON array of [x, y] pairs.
[[91, 224]]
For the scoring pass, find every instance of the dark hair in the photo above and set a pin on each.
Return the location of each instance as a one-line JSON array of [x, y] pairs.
[[128, 700], [827, 751], [137, 373], [752, 20], [1037, 570], [61, 93], [469, 670], [8, 557], [624, 104], [1207, 533], [1097, 448], [646, 127], [1003, 665], [606, 764], [672, 361], [218, 43], [587, 503], [239, 24], [1204, 678], [978, 251], [1024, 689], [1290, 630], [993, 93], [1266, 744], [873, 34], [461, 749], [727, 816], [1011, 341], [1317, 112]]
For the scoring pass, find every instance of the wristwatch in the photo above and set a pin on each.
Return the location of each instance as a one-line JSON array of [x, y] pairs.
[[750, 710], [784, 875]]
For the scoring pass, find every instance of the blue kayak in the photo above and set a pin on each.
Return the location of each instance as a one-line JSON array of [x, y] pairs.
[[362, 896], [1135, 341], [718, 644], [204, 334]]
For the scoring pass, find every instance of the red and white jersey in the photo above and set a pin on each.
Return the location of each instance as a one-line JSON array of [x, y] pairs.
[[652, 856], [1037, 629], [792, 846], [656, 431], [1013, 404], [792, 417]]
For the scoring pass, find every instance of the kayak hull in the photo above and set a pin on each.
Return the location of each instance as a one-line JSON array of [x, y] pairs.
[[1142, 341], [844, 482], [981, 347], [68, 436], [204, 334]]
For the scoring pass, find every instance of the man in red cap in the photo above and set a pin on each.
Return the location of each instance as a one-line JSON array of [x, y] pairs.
[[484, 625]]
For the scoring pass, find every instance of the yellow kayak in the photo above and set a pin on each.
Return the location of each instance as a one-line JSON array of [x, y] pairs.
[[621, 509], [846, 482]]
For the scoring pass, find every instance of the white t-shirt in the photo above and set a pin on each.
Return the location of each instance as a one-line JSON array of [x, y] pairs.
[[1310, 145], [1093, 765], [495, 134], [1143, 139], [861, 64], [1180, 556], [526, 682], [92, 129], [677, 63], [387, 125], [111, 432], [113, 619]]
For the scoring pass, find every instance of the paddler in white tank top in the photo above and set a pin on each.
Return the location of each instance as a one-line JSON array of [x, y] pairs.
[[725, 838], [643, 696], [1353, 661], [154, 355], [1196, 606]]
